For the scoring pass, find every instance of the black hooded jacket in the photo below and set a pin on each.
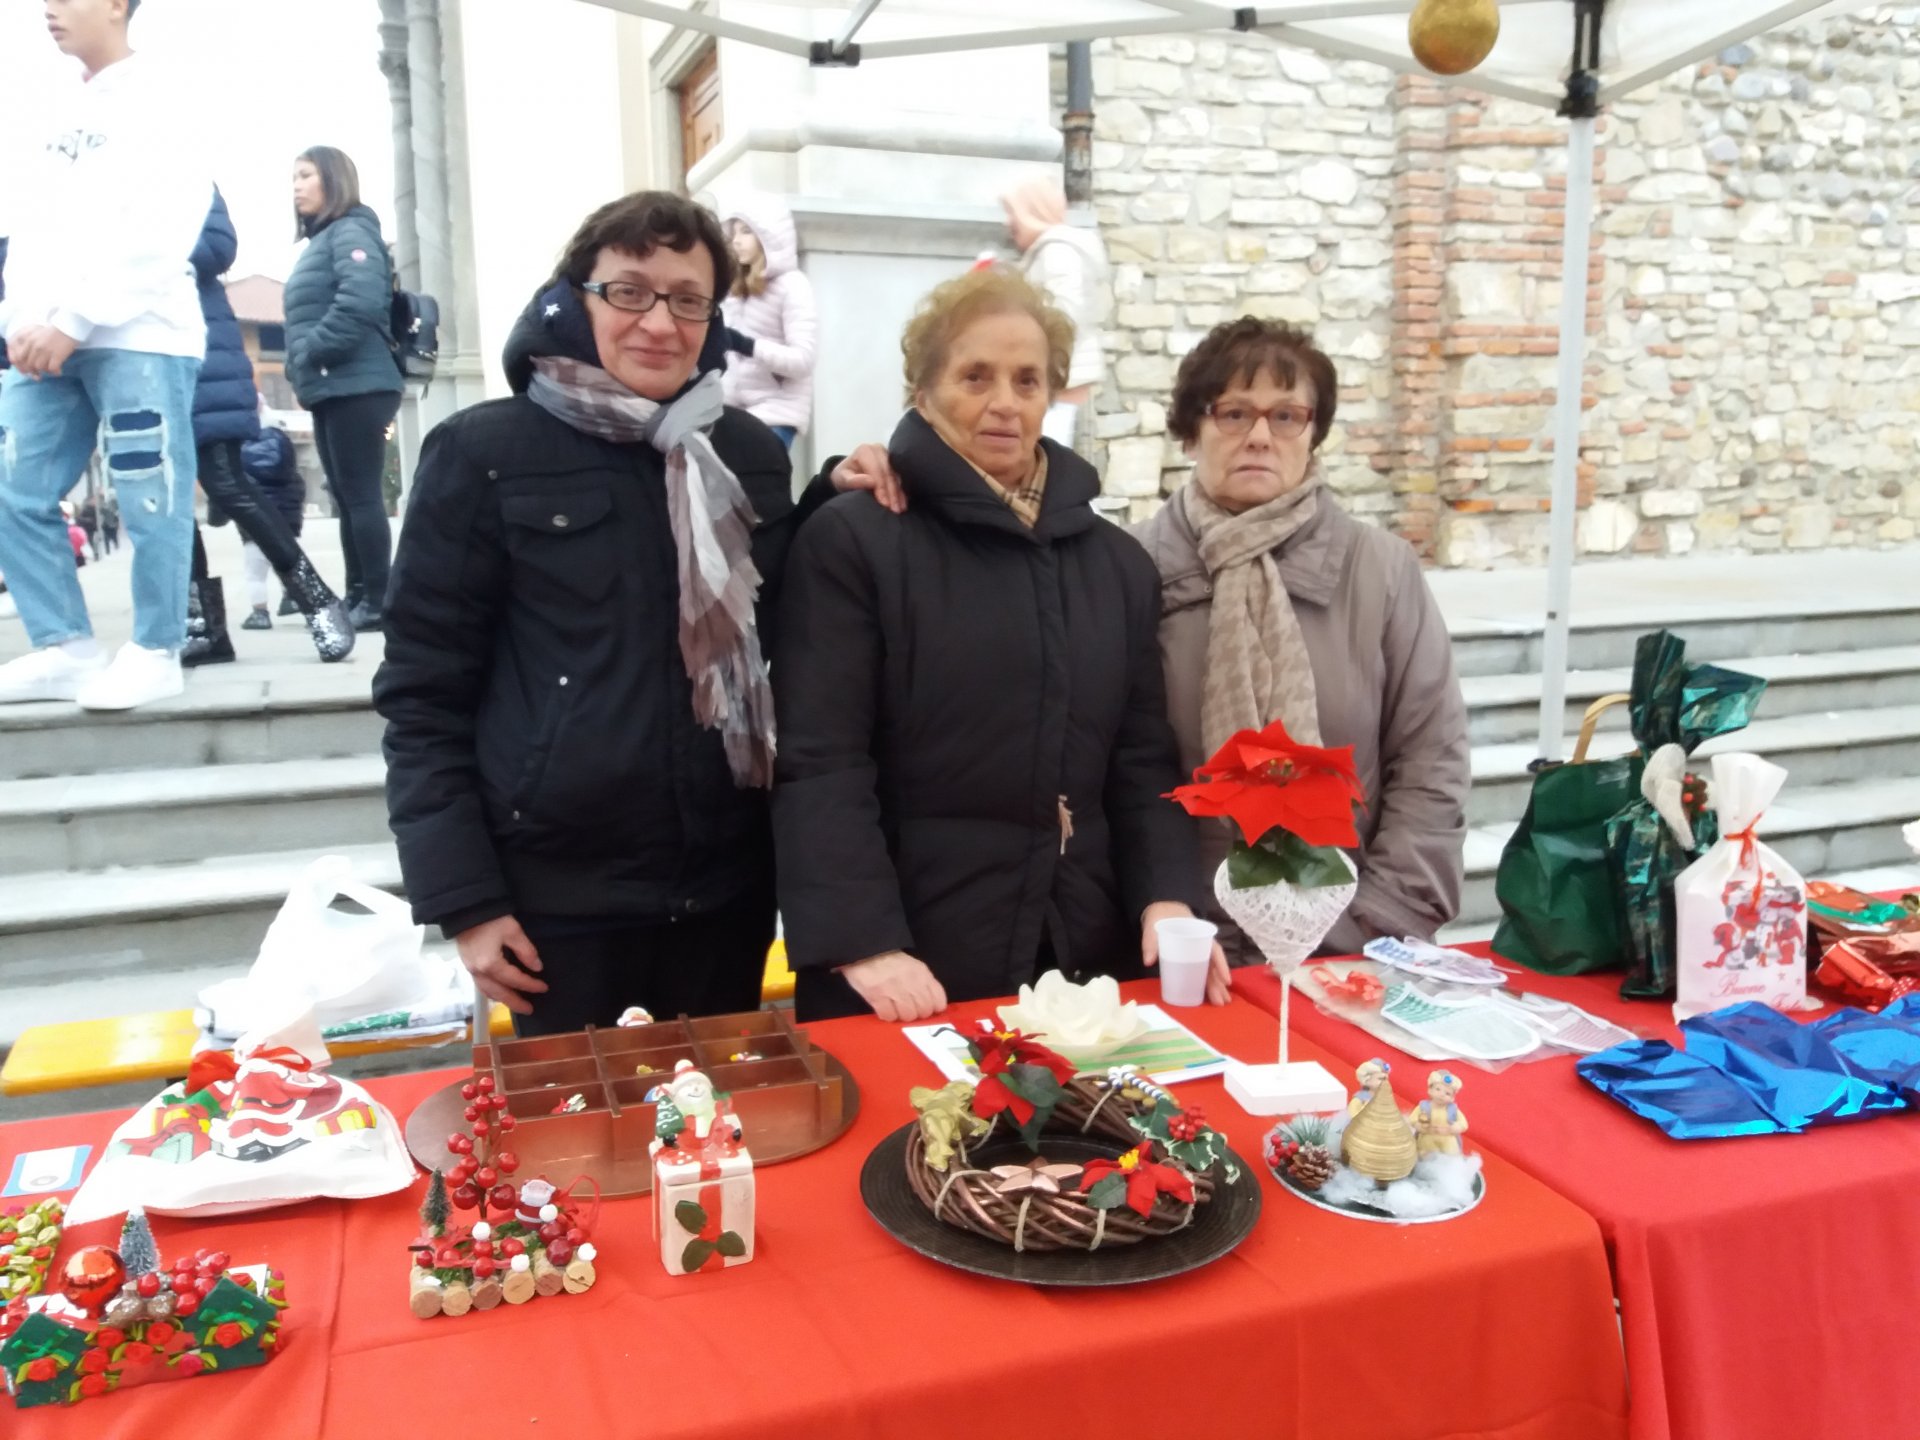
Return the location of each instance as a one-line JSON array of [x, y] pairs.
[[542, 755], [947, 681]]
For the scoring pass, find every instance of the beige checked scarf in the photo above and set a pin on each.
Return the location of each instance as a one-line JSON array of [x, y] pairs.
[[1258, 670], [1023, 501], [712, 535]]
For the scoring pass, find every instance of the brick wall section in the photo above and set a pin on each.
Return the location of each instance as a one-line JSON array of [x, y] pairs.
[[1753, 378]]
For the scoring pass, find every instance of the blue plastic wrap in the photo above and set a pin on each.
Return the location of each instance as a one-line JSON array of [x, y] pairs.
[[1685, 1098]]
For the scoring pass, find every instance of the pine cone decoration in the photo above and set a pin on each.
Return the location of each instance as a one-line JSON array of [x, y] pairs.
[[1311, 1166]]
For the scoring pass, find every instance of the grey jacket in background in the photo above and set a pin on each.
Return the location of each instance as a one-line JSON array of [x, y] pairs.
[[1383, 671]]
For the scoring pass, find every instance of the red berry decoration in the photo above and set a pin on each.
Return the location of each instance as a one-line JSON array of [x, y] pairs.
[[485, 1082], [424, 1259], [552, 1231], [219, 1261], [467, 1196], [148, 1286], [469, 1091], [559, 1252], [460, 1144], [502, 1197], [481, 1128], [506, 1162], [486, 1177], [472, 1112], [483, 1267], [576, 1236], [506, 1122], [513, 1245], [185, 1304]]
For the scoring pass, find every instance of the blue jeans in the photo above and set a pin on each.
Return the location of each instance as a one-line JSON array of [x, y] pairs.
[[787, 433], [138, 408]]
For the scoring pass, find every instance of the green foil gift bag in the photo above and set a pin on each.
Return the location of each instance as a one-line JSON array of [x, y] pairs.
[[1651, 839], [1560, 907]]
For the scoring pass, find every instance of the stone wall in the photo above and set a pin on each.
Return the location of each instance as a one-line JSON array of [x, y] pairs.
[[1753, 379]]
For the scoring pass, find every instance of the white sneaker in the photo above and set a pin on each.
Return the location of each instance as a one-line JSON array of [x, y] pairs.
[[135, 677], [49, 674]]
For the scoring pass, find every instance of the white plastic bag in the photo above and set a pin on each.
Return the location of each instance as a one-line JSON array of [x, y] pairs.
[[272, 1128], [1740, 911], [346, 965]]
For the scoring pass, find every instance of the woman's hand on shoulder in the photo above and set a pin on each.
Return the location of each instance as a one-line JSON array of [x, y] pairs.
[[896, 986], [868, 468], [1219, 973]]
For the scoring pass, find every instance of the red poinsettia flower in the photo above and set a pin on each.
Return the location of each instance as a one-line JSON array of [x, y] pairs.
[[999, 1048], [1264, 780], [1146, 1178]]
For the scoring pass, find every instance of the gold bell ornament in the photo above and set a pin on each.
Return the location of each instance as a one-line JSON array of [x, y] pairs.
[[1450, 37]]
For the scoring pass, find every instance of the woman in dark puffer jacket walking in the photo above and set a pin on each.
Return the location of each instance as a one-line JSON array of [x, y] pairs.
[[226, 416], [338, 301]]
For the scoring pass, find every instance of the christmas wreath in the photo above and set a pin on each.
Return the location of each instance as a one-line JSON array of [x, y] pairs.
[[1166, 1163]]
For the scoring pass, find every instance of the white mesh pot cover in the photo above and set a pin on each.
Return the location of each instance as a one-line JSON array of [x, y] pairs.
[[1285, 921]]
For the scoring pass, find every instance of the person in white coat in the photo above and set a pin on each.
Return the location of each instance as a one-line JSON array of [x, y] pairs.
[[1070, 265], [771, 329]]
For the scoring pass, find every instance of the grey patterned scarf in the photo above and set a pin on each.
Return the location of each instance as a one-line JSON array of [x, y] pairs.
[[712, 536], [1258, 669]]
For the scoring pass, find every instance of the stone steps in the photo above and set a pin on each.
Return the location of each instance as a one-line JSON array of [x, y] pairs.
[[1506, 708], [215, 722], [143, 936], [180, 815], [1830, 748]]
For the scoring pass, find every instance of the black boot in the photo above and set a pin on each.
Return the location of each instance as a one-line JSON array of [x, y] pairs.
[[207, 640], [326, 613], [288, 605], [364, 617]]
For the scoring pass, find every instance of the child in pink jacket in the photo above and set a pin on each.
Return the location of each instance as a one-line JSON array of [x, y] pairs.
[[770, 321]]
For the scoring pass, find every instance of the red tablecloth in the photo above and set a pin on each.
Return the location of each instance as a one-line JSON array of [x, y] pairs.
[[1498, 1324], [1756, 1276]]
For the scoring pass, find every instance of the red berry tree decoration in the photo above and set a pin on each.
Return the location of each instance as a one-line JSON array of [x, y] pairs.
[[479, 1164]]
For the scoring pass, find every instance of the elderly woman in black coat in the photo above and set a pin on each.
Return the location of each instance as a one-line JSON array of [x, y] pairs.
[[974, 741]]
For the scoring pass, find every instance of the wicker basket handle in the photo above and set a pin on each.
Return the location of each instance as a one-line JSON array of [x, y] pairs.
[[1591, 722]]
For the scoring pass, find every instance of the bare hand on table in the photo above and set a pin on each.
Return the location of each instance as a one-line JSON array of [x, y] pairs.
[[897, 986]]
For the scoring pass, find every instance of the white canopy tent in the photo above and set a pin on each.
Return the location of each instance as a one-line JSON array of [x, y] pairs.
[[1571, 56]]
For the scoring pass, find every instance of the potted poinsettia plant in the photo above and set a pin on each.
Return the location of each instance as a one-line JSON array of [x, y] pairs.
[[1288, 876]]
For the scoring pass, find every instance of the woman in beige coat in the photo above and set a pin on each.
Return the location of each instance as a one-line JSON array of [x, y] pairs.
[[1276, 604]]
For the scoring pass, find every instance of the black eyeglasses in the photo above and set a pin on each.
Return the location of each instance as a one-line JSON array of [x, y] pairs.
[[1287, 422], [639, 299]]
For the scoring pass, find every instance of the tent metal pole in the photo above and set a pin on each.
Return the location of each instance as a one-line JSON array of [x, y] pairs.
[[1574, 258], [1076, 126]]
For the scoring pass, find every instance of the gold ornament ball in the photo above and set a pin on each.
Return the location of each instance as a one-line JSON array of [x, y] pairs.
[[1450, 37]]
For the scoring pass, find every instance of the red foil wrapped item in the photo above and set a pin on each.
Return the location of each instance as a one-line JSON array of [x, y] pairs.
[[1872, 971]]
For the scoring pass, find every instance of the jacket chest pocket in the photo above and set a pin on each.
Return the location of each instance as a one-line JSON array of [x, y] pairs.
[[562, 546]]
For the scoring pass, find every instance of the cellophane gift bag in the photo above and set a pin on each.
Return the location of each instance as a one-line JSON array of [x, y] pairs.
[[1740, 911], [1674, 704], [264, 1124]]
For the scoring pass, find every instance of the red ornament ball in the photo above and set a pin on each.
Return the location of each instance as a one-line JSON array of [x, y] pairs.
[[91, 1277]]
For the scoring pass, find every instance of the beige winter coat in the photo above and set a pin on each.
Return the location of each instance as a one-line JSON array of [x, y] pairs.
[[1383, 669]]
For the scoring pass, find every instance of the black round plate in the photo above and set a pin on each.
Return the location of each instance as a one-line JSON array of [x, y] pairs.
[[1221, 1224]]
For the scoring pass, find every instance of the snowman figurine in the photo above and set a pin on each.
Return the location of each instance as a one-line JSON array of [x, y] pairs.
[[691, 1110]]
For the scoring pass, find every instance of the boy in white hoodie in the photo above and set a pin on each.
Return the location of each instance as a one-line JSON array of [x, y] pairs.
[[103, 325]]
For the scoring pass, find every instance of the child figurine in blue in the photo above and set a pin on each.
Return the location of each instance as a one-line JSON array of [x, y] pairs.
[[1437, 1121]]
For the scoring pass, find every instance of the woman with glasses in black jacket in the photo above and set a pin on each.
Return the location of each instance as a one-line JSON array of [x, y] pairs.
[[579, 728]]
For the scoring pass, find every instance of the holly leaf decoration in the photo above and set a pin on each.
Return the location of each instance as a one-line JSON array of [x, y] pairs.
[[1108, 1194], [697, 1253], [690, 1216], [730, 1245], [1036, 1085]]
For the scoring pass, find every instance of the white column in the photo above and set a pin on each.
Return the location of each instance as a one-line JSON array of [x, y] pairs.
[[1575, 253]]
